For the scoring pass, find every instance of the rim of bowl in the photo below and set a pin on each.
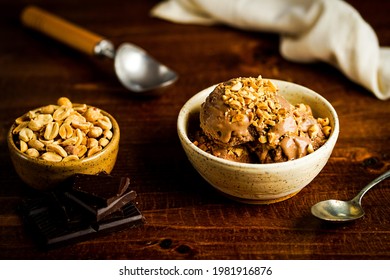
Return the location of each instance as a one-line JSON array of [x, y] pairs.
[[183, 117], [115, 128]]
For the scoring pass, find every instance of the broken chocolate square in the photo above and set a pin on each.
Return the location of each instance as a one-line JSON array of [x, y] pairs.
[[41, 217], [103, 188], [100, 212], [100, 194], [85, 207]]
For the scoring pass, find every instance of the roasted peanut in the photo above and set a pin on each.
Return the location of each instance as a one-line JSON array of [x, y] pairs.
[[107, 134], [70, 158], [69, 142], [236, 87], [64, 101], [21, 120], [20, 127], [92, 142], [36, 144], [49, 109], [82, 149], [50, 156], [323, 122], [327, 130], [35, 125], [84, 126], [23, 146], [313, 131], [79, 136], [51, 131], [80, 108], [92, 114], [32, 152], [95, 132], [44, 119], [26, 134], [56, 149], [104, 123], [94, 150], [62, 113], [63, 131], [103, 142]]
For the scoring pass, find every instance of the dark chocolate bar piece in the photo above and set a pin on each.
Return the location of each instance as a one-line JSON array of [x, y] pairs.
[[43, 217], [102, 188], [100, 212], [128, 214]]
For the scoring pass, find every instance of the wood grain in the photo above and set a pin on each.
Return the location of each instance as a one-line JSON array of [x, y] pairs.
[[185, 217]]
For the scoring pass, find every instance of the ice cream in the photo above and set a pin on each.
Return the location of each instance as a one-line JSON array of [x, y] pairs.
[[247, 120]]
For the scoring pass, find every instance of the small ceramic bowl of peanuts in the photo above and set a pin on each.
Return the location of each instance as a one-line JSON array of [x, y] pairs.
[[49, 144]]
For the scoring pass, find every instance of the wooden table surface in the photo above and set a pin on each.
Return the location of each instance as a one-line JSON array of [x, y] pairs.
[[185, 217]]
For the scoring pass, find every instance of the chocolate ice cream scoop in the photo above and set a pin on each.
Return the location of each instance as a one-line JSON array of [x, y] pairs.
[[216, 121], [238, 109], [248, 114]]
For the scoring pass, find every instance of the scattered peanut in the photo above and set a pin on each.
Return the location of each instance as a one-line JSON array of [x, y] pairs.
[[62, 132]]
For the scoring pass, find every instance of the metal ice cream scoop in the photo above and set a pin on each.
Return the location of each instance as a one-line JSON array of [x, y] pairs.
[[134, 67]]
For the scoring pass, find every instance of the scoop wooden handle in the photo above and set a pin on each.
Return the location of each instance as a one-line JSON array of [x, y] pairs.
[[60, 29]]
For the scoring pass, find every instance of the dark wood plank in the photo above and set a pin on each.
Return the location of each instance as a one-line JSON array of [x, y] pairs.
[[185, 217]]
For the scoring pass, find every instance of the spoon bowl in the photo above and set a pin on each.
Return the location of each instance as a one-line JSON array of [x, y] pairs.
[[342, 211], [337, 210], [139, 72]]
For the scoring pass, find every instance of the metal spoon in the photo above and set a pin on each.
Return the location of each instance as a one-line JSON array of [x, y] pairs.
[[343, 211], [134, 67]]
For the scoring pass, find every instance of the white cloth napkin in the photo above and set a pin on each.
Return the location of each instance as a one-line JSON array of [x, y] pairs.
[[311, 30]]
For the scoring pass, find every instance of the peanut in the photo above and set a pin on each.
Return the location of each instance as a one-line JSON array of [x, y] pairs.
[[64, 101], [26, 134], [32, 152], [70, 158], [56, 149], [63, 132], [36, 144], [95, 132], [104, 123], [62, 113], [50, 156], [51, 131]]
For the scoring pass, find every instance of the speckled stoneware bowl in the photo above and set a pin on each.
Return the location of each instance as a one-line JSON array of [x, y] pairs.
[[44, 175], [260, 183]]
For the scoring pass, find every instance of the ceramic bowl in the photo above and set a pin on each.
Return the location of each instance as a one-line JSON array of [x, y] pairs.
[[45, 175], [260, 183]]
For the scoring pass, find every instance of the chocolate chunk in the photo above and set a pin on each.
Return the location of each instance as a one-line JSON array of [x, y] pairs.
[[84, 207], [42, 218], [102, 188], [100, 212], [128, 214]]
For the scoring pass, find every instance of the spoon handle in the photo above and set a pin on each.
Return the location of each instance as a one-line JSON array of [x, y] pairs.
[[377, 180], [60, 29]]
